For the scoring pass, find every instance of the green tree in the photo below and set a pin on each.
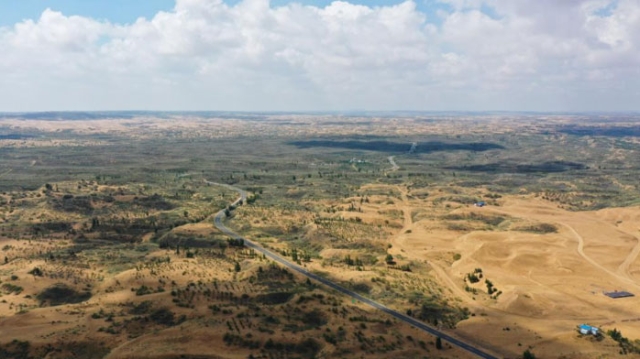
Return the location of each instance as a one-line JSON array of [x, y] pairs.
[[237, 267], [528, 355], [615, 334], [95, 223], [348, 260], [490, 287], [36, 272]]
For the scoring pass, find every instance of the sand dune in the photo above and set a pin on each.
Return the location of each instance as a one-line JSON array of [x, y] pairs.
[[549, 283]]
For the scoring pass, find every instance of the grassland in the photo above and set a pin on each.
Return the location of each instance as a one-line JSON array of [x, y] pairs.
[[108, 246]]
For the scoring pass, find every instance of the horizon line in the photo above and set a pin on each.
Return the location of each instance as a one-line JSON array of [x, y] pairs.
[[323, 111]]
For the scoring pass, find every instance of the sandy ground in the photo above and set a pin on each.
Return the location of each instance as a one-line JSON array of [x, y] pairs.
[[550, 283]]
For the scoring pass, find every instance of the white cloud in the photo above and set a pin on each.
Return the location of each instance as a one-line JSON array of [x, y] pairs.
[[205, 54]]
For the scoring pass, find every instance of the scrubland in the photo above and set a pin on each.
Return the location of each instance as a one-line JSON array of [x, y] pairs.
[[108, 247]]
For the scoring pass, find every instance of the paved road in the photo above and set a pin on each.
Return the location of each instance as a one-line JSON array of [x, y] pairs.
[[220, 216], [243, 194]]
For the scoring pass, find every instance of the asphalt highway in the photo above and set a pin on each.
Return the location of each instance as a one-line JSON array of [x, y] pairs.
[[218, 221]]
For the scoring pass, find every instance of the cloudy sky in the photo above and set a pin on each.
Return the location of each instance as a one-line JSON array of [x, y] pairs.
[[248, 55]]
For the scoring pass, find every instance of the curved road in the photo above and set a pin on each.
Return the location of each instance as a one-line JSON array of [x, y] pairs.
[[392, 161], [394, 165], [411, 321]]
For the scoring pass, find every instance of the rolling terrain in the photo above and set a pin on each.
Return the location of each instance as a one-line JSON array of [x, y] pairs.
[[113, 242]]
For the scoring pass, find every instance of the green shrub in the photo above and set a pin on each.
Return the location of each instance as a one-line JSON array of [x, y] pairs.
[[163, 316], [141, 308], [274, 298], [541, 228], [60, 293], [11, 288], [36, 272]]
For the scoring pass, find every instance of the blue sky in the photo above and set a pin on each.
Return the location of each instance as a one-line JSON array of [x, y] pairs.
[[119, 11], [530, 55], [127, 11]]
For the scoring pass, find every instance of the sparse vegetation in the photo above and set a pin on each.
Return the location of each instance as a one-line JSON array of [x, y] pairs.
[[61, 293], [491, 221], [626, 346], [125, 218], [9, 288], [541, 228]]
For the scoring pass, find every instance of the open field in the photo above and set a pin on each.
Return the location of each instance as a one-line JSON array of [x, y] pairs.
[[108, 244]]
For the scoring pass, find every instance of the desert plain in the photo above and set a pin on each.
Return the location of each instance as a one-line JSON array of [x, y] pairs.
[[505, 231]]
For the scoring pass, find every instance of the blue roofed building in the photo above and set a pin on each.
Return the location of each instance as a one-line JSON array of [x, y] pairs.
[[588, 330]]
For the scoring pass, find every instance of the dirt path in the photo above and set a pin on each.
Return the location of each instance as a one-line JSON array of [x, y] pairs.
[[443, 275], [621, 273], [407, 222], [6, 172], [406, 208], [623, 269], [445, 279], [394, 165], [587, 258], [537, 301], [128, 346]]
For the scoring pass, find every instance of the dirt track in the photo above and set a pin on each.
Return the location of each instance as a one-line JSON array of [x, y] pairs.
[[549, 282]]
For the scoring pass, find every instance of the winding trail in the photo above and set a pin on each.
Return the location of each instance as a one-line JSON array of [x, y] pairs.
[[218, 222], [7, 172], [394, 165], [447, 280], [630, 258], [622, 272], [406, 210], [633, 255], [392, 159]]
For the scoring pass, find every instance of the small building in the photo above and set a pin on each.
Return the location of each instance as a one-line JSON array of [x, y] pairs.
[[618, 294], [585, 329]]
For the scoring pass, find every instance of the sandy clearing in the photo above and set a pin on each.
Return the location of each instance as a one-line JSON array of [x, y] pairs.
[[550, 282]]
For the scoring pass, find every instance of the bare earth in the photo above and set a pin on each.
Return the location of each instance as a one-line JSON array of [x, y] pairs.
[[550, 282]]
